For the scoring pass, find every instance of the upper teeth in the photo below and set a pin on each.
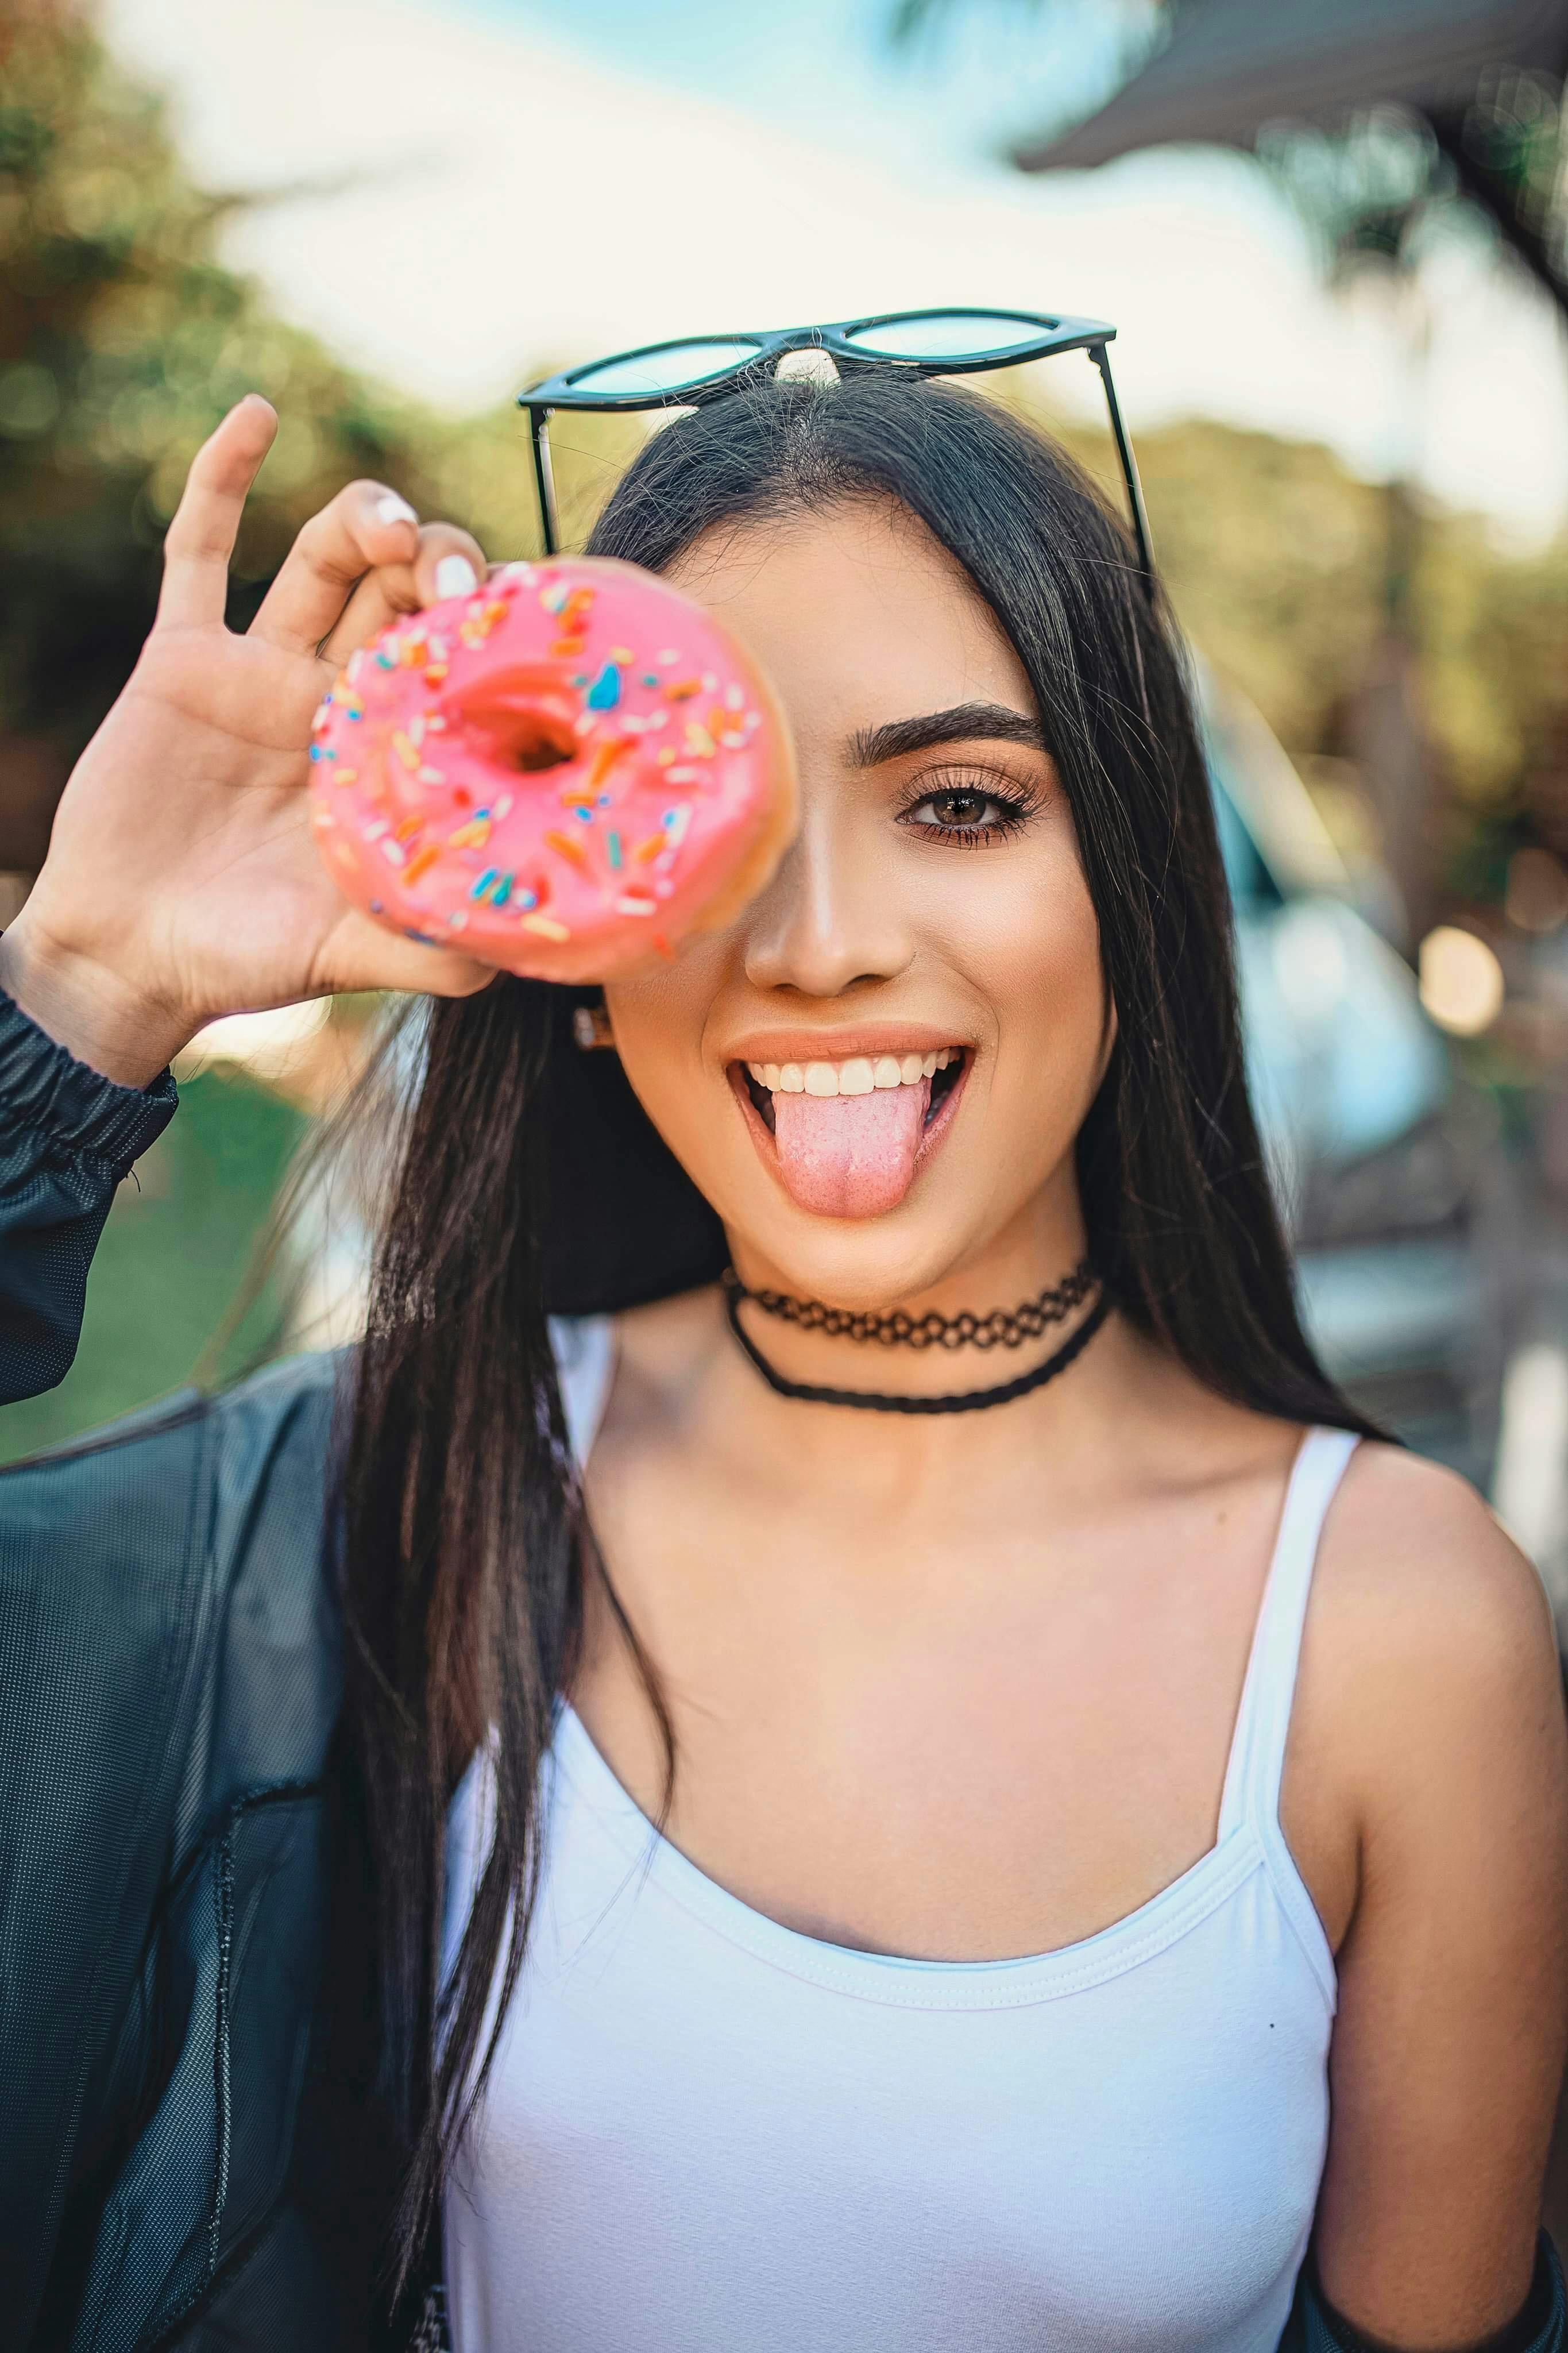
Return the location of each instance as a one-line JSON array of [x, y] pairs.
[[858, 1076]]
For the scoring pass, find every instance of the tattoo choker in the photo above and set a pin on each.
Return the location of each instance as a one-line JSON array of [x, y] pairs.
[[999, 1329]]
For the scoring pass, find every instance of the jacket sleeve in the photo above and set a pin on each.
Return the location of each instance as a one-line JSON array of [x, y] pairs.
[[68, 1136]]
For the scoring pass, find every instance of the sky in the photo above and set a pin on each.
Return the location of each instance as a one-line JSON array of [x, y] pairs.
[[830, 69], [466, 192]]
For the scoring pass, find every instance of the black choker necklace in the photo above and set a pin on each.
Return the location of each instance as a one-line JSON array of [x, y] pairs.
[[1002, 1329], [876, 1401]]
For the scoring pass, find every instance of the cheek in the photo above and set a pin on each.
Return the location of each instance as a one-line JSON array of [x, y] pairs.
[[659, 1019], [1031, 937], [1036, 960]]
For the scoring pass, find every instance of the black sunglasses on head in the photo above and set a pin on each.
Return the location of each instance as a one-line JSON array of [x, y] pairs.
[[695, 369]]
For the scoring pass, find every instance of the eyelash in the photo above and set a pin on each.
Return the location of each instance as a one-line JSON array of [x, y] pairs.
[[1014, 811]]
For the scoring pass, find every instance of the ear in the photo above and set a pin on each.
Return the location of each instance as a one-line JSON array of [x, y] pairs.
[[592, 1028]]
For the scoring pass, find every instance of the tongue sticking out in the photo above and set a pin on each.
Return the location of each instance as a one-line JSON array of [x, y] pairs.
[[850, 1156]]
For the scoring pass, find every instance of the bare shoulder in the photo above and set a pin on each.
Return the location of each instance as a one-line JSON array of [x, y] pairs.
[[1430, 1648], [1413, 1562]]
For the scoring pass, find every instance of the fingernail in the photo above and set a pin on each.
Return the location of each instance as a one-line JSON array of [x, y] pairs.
[[455, 577], [392, 508]]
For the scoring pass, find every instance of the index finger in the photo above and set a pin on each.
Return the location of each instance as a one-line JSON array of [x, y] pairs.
[[200, 540]]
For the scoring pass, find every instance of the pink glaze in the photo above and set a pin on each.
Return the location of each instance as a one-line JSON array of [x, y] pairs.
[[563, 774]]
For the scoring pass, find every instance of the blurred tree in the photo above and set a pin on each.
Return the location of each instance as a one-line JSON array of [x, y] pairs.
[[1274, 554], [122, 341], [1270, 551]]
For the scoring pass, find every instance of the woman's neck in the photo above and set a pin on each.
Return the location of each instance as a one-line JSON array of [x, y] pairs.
[[1043, 1247], [685, 1385], [695, 1377]]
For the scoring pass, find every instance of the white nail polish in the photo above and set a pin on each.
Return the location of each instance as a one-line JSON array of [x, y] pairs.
[[455, 577], [392, 508]]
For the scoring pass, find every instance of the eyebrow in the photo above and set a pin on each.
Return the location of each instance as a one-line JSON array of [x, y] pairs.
[[964, 724]]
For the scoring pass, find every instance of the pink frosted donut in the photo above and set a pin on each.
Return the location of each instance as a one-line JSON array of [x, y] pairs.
[[563, 774]]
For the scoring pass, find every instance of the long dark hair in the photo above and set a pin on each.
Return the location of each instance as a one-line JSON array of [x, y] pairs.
[[465, 1547]]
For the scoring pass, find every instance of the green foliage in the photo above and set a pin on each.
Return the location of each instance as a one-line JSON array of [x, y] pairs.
[[1277, 559], [123, 340], [174, 1255], [1272, 553]]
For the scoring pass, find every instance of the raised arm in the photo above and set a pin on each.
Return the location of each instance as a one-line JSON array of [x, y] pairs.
[[182, 881]]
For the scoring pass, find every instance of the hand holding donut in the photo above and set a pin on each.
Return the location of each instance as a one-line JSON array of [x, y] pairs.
[[561, 771], [182, 881]]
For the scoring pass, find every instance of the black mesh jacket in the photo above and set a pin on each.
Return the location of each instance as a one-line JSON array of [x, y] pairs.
[[190, 2148]]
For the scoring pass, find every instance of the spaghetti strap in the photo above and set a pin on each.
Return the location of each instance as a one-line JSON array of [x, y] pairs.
[[1263, 1720], [585, 1348]]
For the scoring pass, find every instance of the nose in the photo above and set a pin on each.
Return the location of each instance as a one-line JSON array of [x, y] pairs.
[[831, 920]]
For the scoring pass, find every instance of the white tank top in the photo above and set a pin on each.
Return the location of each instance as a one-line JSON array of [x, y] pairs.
[[707, 2134]]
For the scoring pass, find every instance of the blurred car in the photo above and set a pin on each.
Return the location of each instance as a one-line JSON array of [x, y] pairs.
[[1389, 1168]]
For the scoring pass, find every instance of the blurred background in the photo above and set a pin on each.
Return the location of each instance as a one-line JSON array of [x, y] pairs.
[[1333, 235]]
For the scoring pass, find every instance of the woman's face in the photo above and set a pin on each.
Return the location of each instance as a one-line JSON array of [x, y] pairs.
[[933, 904]]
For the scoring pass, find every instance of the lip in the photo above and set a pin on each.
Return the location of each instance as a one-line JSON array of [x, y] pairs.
[[844, 1045], [783, 1046]]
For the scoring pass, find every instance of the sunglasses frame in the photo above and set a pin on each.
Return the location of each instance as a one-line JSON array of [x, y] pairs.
[[1058, 334]]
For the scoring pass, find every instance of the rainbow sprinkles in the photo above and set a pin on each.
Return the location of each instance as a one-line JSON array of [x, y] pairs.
[[572, 769]]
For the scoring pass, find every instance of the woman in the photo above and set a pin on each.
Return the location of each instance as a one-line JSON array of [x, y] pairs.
[[1013, 1905]]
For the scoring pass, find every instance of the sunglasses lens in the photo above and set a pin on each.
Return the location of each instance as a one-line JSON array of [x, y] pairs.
[[947, 335], [668, 368]]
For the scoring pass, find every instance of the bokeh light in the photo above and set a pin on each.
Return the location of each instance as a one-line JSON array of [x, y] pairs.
[[1461, 981]]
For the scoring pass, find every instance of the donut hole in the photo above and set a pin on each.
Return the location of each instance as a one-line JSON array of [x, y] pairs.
[[534, 742], [523, 714]]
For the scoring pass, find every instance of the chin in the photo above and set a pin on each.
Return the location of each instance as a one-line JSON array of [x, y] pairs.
[[868, 1179], [870, 1262]]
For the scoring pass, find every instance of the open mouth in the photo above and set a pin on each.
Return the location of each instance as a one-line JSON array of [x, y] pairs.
[[863, 1075], [846, 1137]]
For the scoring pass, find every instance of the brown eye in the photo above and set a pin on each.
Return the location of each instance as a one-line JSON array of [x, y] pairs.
[[960, 810], [966, 813]]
